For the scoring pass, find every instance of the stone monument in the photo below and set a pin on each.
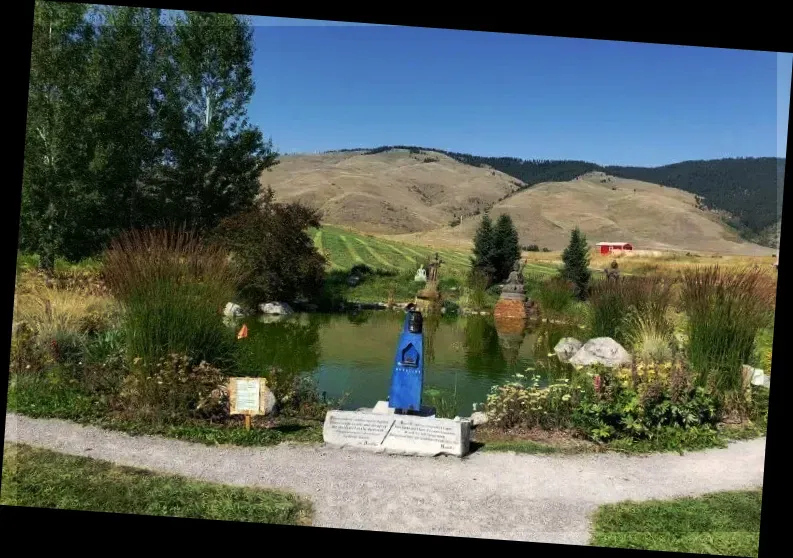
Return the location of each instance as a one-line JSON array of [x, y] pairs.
[[401, 424], [429, 297], [512, 302]]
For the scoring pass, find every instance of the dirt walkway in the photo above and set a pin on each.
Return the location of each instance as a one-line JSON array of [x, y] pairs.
[[491, 495]]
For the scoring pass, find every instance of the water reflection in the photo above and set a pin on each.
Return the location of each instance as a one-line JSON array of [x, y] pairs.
[[353, 353]]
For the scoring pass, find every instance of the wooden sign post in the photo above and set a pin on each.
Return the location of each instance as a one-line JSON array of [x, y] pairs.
[[247, 398]]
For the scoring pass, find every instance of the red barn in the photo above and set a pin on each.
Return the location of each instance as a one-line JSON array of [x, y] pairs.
[[608, 247]]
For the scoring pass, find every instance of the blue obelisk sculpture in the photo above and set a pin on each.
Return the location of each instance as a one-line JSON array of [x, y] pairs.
[[407, 376]]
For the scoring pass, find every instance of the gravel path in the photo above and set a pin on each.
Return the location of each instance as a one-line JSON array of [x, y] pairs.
[[491, 495]]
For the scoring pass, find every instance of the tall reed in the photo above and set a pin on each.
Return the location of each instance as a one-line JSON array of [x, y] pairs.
[[725, 310], [555, 296], [172, 287], [620, 308]]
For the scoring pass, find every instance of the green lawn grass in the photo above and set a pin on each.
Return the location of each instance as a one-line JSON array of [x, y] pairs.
[[725, 523], [41, 478]]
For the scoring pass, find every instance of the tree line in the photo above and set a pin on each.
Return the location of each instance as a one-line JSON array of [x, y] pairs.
[[135, 119]]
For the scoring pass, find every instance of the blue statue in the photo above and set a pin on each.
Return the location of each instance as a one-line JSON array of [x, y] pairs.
[[407, 377]]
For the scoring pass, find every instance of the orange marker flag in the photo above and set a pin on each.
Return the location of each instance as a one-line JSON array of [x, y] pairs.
[[243, 332]]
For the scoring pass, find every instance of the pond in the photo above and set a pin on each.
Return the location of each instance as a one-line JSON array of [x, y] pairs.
[[352, 354]]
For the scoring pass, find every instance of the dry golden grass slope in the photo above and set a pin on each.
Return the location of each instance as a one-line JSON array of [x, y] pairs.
[[649, 216], [389, 193], [397, 195]]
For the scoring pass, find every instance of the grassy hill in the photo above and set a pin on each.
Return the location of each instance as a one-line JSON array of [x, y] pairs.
[[745, 191], [607, 209], [389, 192], [434, 201]]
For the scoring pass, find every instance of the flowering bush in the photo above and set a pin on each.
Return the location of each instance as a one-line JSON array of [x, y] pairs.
[[516, 404], [639, 401], [175, 388]]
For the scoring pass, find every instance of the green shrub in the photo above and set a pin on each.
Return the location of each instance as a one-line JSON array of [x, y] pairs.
[[172, 288], [273, 253], [639, 402], [555, 295], [725, 311], [529, 405], [298, 395]]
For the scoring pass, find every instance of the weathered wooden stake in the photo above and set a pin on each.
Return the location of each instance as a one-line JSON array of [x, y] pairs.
[[247, 422]]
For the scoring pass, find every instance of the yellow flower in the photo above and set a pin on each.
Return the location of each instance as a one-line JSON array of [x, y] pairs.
[[566, 397]]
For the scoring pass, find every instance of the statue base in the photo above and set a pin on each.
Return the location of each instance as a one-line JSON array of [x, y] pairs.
[[511, 308]]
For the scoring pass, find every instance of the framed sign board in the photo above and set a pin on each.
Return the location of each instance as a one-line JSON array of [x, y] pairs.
[[247, 396]]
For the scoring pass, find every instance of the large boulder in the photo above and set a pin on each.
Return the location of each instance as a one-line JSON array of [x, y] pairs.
[[567, 347], [601, 350], [233, 310], [276, 308], [268, 400]]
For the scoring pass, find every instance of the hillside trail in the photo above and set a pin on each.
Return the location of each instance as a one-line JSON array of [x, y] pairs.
[[487, 494]]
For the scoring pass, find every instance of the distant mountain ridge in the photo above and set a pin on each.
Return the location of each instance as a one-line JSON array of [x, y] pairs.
[[747, 189]]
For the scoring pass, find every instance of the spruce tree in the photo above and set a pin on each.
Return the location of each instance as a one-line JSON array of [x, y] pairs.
[[483, 248], [506, 247], [576, 263]]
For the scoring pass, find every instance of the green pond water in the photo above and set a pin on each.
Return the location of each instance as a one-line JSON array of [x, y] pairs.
[[352, 354]]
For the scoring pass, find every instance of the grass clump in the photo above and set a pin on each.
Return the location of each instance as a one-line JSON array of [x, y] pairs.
[[555, 296], [630, 308], [725, 523], [41, 478], [172, 288], [726, 310]]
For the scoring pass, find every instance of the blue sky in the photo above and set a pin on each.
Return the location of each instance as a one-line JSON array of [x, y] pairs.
[[322, 86]]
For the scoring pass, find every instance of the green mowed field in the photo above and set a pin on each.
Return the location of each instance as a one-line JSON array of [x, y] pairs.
[[345, 248]]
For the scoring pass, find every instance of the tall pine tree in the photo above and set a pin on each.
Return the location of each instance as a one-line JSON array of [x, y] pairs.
[[484, 248], [506, 247], [576, 263]]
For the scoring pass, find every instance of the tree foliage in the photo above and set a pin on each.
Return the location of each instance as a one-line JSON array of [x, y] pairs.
[[496, 248], [135, 120], [275, 257], [484, 247], [576, 263], [506, 247]]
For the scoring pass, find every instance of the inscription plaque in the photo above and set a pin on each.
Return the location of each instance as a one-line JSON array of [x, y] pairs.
[[397, 434]]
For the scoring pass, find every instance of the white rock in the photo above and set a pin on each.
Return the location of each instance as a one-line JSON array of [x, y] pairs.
[[566, 348], [268, 400], [279, 308], [478, 418], [233, 310], [601, 350], [382, 408]]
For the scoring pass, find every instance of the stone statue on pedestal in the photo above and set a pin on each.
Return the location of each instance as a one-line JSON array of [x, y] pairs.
[[612, 272], [514, 288]]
